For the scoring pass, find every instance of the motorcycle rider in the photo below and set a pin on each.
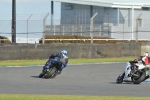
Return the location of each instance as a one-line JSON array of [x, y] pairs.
[[126, 74], [145, 58], [60, 58], [146, 61]]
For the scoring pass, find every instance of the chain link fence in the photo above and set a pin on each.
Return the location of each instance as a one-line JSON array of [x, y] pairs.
[[30, 30]]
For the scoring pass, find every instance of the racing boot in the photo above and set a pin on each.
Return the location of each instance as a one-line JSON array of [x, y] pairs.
[[146, 77], [59, 71]]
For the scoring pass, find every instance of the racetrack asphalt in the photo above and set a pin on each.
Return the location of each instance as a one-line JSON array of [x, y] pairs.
[[86, 79]]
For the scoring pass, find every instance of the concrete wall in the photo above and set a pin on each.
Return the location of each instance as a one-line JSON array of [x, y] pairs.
[[40, 51]]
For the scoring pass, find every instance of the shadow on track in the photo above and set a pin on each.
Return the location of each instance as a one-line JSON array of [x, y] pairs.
[[35, 76], [122, 83], [40, 78]]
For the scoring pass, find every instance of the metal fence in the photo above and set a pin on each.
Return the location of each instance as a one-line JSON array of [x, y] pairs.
[[30, 31]]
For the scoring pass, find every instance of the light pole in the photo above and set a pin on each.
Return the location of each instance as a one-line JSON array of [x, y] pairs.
[[137, 27], [123, 25], [44, 27], [27, 28], [132, 28], [92, 26], [108, 24], [13, 28]]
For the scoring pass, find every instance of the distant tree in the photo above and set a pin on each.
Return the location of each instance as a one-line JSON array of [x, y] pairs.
[[4, 39]]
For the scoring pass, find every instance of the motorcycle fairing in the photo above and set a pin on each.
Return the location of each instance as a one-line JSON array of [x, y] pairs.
[[47, 65], [127, 72]]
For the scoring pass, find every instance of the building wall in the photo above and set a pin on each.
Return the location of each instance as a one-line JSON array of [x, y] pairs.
[[81, 13]]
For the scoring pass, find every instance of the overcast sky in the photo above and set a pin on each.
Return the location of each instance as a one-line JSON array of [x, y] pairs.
[[24, 8]]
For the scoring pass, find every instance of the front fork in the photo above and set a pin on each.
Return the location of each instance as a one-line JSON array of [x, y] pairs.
[[122, 75]]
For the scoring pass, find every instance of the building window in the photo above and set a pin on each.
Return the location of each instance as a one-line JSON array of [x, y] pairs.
[[68, 6], [139, 22], [145, 8]]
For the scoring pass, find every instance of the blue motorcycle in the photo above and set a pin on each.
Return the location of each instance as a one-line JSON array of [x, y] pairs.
[[50, 69]]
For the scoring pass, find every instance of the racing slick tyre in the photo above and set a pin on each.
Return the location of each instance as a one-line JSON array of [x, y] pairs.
[[51, 73], [41, 75], [140, 79], [120, 78]]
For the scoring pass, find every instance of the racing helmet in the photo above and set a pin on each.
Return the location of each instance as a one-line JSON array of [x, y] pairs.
[[64, 52], [146, 54]]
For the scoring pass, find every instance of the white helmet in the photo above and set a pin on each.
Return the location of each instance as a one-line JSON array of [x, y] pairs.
[[146, 54]]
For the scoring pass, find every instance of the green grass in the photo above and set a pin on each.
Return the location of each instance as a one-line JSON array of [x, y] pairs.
[[71, 61], [100, 60], [67, 97]]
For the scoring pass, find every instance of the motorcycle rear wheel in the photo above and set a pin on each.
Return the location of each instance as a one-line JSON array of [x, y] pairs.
[[140, 79]]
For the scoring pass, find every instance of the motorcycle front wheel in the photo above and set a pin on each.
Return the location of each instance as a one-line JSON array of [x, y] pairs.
[[41, 75], [51, 73], [120, 78]]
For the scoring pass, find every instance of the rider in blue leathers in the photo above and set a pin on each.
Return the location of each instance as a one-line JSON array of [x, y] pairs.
[[60, 58]]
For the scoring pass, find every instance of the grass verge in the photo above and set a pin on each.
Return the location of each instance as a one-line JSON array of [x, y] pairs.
[[71, 61], [67, 97]]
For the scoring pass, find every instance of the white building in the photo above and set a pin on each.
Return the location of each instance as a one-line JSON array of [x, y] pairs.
[[121, 19]]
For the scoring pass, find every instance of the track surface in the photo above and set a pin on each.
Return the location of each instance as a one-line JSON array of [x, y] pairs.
[[92, 79]]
